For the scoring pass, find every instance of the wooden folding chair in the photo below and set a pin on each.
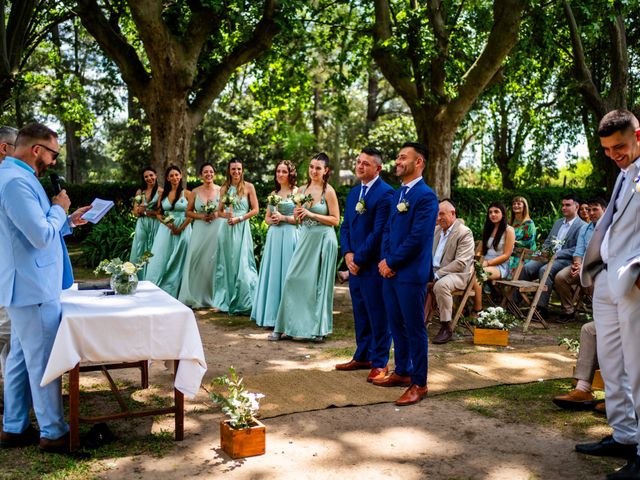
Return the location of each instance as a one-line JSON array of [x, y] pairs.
[[526, 288]]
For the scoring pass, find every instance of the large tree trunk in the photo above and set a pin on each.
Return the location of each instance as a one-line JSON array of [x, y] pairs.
[[200, 149], [74, 153], [438, 136]]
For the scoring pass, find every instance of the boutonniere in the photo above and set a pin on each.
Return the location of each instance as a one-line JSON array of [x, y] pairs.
[[361, 207], [403, 206], [636, 184]]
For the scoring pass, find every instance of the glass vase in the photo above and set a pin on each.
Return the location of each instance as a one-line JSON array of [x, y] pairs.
[[124, 284]]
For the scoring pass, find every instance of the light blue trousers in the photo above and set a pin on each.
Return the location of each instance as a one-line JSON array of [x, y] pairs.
[[33, 330]]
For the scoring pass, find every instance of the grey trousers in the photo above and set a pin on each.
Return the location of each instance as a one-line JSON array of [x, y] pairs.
[[618, 332], [587, 363]]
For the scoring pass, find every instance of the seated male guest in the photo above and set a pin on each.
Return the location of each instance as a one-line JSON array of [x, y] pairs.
[[562, 240], [569, 276], [452, 264], [365, 215]]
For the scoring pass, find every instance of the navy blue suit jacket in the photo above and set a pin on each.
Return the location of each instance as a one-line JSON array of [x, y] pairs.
[[408, 237], [361, 233]]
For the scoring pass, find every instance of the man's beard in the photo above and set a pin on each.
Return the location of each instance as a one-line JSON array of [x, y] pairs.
[[41, 166]]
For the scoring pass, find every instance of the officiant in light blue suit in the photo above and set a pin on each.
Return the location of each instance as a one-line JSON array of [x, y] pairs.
[[365, 215], [34, 269]]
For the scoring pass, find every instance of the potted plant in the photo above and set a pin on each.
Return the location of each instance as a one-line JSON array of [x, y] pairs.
[[492, 327], [242, 435], [124, 275]]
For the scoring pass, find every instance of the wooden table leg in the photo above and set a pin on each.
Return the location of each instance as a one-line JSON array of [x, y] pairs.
[[74, 408], [179, 406]]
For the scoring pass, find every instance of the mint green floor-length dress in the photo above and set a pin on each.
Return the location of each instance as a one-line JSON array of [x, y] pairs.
[[145, 233], [306, 307], [276, 257], [236, 273], [198, 277], [169, 250]]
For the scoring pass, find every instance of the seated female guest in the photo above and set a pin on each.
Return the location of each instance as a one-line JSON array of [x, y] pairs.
[[498, 239], [198, 278], [236, 274], [144, 207], [172, 240], [306, 307], [279, 247], [524, 228]]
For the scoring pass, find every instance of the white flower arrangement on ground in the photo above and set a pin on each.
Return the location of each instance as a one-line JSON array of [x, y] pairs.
[[496, 318], [238, 404]]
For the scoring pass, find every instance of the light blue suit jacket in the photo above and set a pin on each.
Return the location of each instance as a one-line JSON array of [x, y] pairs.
[[34, 264]]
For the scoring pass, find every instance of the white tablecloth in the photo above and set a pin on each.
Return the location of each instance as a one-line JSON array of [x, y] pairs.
[[150, 325]]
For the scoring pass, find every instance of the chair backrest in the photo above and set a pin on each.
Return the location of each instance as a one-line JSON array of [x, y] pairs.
[[520, 253]]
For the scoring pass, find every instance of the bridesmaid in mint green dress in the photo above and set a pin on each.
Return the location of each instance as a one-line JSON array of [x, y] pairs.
[[236, 274], [306, 307], [278, 248], [198, 278], [144, 206], [171, 242]]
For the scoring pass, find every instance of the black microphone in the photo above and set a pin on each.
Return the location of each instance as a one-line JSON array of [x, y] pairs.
[[56, 183]]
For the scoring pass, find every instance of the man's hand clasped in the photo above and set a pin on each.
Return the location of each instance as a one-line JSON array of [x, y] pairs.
[[384, 269]]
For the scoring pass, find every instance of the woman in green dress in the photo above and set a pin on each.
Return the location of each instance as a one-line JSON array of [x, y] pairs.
[[171, 242], [236, 274], [278, 248], [198, 278], [524, 227], [144, 206], [306, 307]]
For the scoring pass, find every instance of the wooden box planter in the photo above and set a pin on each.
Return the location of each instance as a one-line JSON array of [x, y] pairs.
[[244, 442], [490, 336]]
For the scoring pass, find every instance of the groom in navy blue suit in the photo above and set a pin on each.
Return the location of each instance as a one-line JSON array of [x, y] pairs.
[[366, 213], [406, 267]]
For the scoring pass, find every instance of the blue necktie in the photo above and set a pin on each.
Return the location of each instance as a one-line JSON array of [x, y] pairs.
[[403, 192], [363, 191]]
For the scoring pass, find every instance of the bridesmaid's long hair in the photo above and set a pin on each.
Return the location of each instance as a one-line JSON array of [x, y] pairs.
[[143, 184], [324, 158], [293, 174], [489, 226], [167, 187], [227, 182]]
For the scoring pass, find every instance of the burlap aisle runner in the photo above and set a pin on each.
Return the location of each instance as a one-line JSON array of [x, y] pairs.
[[305, 390]]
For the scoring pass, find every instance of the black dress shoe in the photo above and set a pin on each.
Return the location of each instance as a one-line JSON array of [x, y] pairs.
[[608, 447], [566, 318], [444, 335], [31, 436], [631, 471]]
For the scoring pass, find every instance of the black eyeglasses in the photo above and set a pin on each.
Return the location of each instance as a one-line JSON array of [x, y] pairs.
[[54, 154]]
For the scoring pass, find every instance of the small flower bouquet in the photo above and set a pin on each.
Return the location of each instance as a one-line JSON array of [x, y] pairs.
[[238, 404], [124, 278], [361, 207], [209, 208], [168, 219], [300, 199], [229, 200], [481, 274], [138, 199], [403, 206], [274, 200], [495, 318]]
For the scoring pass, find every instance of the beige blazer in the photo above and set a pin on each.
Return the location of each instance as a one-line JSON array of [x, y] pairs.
[[457, 258], [623, 265]]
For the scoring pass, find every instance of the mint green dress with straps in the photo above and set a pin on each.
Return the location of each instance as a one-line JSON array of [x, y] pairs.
[[169, 250], [236, 273], [276, 257], [306, 307], [198, 278], [144, 234]]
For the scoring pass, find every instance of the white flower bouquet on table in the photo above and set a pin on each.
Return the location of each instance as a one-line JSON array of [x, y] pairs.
[[124, 275], [238, 404], [495, 318]]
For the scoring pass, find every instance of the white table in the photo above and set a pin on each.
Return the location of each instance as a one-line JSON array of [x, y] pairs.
[[150, 325]]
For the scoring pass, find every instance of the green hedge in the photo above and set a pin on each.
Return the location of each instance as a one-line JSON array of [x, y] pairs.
[[112, 236]]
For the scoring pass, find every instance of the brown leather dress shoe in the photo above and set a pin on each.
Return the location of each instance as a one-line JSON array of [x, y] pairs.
[[444, 335], [575, 400], [412, 395], [600, 408], [353, 365], [59, 445], [393, 380], [31, 436], [377, 374]]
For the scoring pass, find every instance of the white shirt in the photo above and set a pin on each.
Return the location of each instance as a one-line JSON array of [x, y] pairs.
[[437, 257], [368, 185], [604, 246], [409, 186], [564, 228]]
